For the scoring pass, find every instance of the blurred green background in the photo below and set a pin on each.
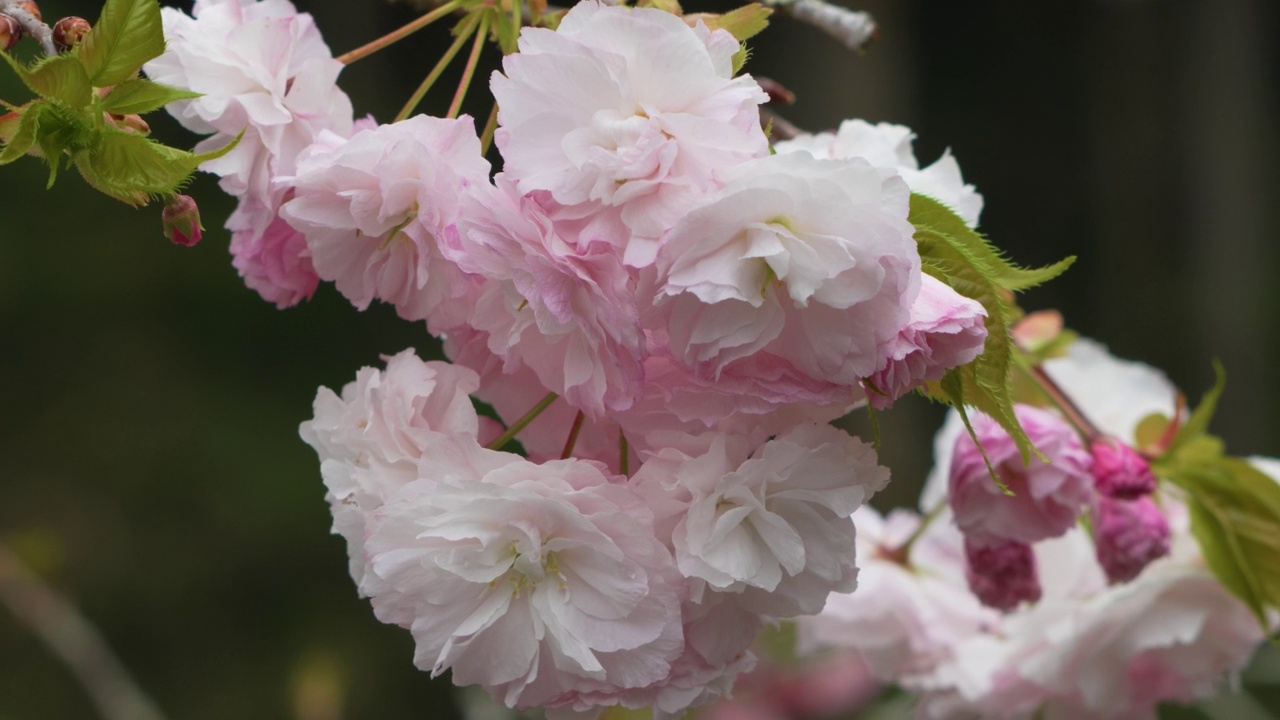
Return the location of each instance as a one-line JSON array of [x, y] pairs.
[[149, 402]]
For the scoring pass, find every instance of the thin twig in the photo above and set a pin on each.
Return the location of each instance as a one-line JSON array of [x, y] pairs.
[[75, 640], [853, 28], [464, 34], [469, 71], [490, 127], [398, 35], [31, 25], [519, 425], [574, 430]]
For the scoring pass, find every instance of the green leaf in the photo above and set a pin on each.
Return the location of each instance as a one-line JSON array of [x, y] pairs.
[[952, 385], [1150, 430], [128, 33], [140, 96], [740, 58], [24, 134], [743, 23], [132, 168], [1235, 516], [967, 262], [1198, 424], [60, 78], [932, 213]]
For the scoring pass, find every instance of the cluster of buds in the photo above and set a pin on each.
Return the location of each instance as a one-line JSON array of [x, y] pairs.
[[1129, 529], [67, 32], [1110, 480], [11, 27]]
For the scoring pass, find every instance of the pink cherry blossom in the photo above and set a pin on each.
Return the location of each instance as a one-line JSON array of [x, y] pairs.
[[535, 582], [371, 438], [630, 110], [1002, 574], [775, 527], [1047, 497], [886, 145], [946, 330], [1119, 471], [373, 210], [1130, 534], [558, 302], [270, 255], [909, 611], [805, 260], [264, 70]]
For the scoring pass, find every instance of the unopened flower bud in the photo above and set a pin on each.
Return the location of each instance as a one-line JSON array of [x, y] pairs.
[[69, 31], [1001, 574], [129, 123], [181, 220], [1128, 536], [10, 33], [1119, 471]]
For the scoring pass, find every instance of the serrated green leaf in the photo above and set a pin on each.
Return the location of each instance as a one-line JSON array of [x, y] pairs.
[[1235, 516], [743, 23], [740, 59], [1222, 554], [140, 96], [507, 32], [132, 168], [1198, 424], [963, 259], [952, 387], [128, 33], [60, 78], [926, 211]]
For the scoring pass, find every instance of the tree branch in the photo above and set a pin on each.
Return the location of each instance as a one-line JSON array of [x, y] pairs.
[[852, 28], [31, 25], [75, 640]]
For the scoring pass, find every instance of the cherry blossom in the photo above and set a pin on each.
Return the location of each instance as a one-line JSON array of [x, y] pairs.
[[886, 145], [626, 109]]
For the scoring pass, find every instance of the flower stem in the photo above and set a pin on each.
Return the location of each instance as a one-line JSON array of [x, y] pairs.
[[1087, 429], [902, 554], [469, 72], [520, 424], [624, 457], [396, 35], [464, 34], [573, 435], [490, 126], [31, 25]]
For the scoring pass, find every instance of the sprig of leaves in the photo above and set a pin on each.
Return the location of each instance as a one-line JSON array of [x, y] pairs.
[[968, 263], [84, 97], [1234, 507]]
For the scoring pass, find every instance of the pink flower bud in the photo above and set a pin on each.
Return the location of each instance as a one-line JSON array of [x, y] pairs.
[[1129, 535], [10, 32], [1047, 497], [181, 220], [69, 31], [1119, 471], [1002, 574]]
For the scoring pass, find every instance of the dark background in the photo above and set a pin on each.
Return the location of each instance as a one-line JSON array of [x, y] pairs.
[[151, 469]]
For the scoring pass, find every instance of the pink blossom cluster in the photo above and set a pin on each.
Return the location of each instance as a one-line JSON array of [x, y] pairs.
[[698, 306], [1086, 642]]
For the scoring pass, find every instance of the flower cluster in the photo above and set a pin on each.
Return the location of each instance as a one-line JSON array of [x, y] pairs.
[[668, 312], [1047, 628]]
